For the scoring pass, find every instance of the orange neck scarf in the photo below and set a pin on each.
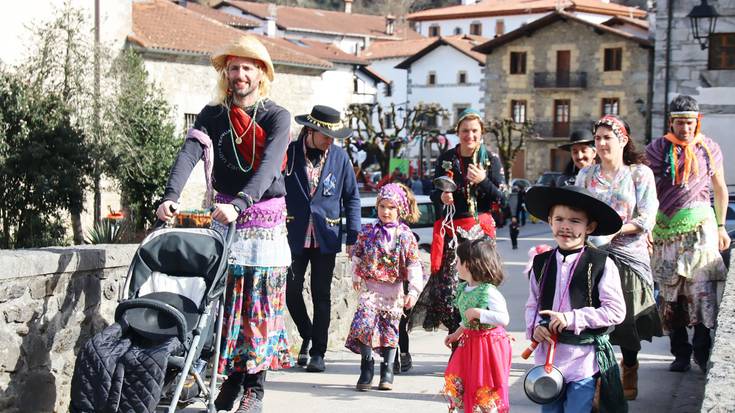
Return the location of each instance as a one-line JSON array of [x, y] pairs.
[[690, 158]]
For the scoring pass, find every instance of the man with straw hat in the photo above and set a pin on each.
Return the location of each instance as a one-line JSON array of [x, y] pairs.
[[688, 234], [320, 181], [242, 138]]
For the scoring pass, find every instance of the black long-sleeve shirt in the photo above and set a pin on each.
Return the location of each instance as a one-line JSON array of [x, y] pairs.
[[487, 191], [227, 176]]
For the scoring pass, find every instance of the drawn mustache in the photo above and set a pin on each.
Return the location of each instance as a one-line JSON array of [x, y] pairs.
[[567, 234]]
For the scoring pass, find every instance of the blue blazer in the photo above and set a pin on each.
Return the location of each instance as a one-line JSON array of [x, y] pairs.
[[337, 188]]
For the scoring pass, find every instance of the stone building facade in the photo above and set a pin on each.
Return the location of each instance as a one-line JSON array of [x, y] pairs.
[[697, 72], [563, 73]]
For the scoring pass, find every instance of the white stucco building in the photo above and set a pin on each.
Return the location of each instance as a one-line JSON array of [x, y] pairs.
[[492, 18], [449, 73]]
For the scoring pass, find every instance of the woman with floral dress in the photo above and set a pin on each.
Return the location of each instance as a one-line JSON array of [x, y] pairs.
[[624, 182]]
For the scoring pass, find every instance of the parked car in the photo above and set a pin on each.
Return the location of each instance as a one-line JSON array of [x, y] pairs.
[[519, 183], [548, 178], [422, 230]]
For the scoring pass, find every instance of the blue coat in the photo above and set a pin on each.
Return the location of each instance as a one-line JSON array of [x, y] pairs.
[[337, 188]]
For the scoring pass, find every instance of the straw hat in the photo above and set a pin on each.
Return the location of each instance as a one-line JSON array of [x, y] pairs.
[[245, 46]]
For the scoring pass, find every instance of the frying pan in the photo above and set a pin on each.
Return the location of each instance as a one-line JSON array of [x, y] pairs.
[[543, 384], [445, 184]]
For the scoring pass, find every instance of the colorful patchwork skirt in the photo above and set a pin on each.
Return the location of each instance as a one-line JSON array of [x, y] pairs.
[[476, 379], [254, 329], [689, 266], [375, 323]]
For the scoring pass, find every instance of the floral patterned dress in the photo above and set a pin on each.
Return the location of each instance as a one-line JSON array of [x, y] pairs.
[[382, 265], [632, 194]]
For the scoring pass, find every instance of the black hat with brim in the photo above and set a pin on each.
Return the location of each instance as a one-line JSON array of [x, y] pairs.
[[578, 136], [325, 120], [540, 200]]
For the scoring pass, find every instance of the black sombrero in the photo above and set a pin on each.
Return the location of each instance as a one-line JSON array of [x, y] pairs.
[[578, 136], [540, 199], [325, 120]]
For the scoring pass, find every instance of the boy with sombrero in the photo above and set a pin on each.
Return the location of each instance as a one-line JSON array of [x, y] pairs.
[[575, 297]]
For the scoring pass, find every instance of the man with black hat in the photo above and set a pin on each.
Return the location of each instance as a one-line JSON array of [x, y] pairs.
[[320, 181], [581, 145]]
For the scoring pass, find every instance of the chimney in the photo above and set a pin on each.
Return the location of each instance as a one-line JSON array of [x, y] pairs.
[[390, 24], [270, 21], [348, 6]]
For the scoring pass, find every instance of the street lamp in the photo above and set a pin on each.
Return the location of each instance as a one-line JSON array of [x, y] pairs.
[[703, 19]]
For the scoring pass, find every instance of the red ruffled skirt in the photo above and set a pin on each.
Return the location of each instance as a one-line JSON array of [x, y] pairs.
[[476, 378]]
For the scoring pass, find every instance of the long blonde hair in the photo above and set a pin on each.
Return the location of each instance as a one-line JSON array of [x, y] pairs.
[[221, 92]]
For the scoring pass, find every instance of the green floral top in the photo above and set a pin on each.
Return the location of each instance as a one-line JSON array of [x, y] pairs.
[[477, 297]]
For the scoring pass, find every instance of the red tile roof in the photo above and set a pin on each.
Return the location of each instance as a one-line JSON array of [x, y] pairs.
[[326, 51], [504, 7], [463, 43], [162, 25], [325, 21], [222, 17], [396, 48], [538, 24]]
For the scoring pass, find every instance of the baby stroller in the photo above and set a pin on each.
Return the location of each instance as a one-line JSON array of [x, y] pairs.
[[173, 292]]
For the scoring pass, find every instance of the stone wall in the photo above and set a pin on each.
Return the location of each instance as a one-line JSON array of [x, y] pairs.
[[53, 300], [690, 74], [587, 55], [718, 394]]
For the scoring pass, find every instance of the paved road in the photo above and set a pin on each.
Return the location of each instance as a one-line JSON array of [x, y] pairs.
[[296, 390]]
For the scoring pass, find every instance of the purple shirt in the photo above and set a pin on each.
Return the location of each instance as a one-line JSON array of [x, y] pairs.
[[674, 197], [577, 362]]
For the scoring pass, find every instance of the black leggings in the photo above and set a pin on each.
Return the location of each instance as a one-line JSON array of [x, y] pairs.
[[403, 334], [630, 357]]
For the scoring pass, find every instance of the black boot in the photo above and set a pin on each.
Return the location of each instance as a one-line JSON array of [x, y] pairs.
[[406, 362], [229, 392], [303, 353], [397, 365], [386, 376], [367, 371]]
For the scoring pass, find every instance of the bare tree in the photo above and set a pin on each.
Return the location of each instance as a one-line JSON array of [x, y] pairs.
[[384, 132], [510, 136]]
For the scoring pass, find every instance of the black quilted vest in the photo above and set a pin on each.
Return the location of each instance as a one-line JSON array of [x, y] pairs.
[[584, 287]]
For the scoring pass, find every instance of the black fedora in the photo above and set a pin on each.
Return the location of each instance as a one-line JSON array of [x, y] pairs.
[[578, 136], [325, 120], [540, 200]]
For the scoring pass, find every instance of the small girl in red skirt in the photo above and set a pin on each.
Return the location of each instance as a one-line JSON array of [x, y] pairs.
[[476, 379]]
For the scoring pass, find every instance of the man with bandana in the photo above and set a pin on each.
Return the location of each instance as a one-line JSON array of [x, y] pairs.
[[689, 233]]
